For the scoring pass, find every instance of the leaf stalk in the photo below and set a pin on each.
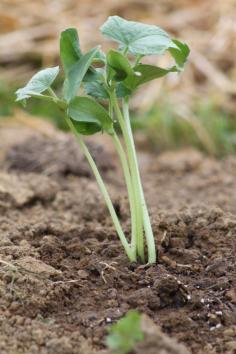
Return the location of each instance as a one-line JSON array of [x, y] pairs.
[[104, 191]]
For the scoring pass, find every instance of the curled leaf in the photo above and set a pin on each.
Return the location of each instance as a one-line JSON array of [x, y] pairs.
[[70, 51], [77, 73], [38, 83], [91, 114], [119, 64], [180, 53]]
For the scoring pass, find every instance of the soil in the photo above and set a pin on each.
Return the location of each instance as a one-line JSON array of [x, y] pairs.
[[64, 277]]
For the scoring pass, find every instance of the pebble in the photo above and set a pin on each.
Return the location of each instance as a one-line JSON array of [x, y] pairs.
[[229, 332], [213, 320], [14, 306], [20, 320], [231, 346], [231, 295], [83, 274]]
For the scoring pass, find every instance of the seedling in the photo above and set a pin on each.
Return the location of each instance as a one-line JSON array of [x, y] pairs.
[[111, 78], [124, 334]]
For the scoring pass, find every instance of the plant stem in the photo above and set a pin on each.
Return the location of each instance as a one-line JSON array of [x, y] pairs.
[[61, 104], [125, 50], [138, 57], [104, 192], [52, 93], [146, 218], [131, 196], [134, 176]]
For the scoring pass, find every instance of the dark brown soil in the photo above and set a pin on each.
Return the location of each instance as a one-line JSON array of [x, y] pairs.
[[64, 276]]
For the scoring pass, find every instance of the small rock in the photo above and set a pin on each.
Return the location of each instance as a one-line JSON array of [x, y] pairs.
[[213, 320], [20, 320], [230, 332], [169, 262], [5, 241], [14, 306], [83, 274], [170, 291], [231, 295], [38, 267], [231, 346]]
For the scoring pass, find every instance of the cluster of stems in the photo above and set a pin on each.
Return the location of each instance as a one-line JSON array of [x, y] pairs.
[[141, 229]]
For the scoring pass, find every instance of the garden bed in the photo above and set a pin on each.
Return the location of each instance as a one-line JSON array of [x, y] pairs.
[[64, 275]]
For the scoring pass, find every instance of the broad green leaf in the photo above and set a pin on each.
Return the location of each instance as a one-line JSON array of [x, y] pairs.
[[70, 51], [120, 65], [125, 333], [145, 73], [84, 128], [38, 83], [77, 74], [96, 89], [180, 53], [87, 110], [138, 38]]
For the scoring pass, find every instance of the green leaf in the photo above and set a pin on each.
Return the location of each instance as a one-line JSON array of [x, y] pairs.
[[100, 57], [96, 89], [38, 83], [120, 64], [138, 38], [70, 51], [87, 110], [77, 74], [84, 128], [125, 333], [94, 75], [145, 73], [122, 91], [180, 53]]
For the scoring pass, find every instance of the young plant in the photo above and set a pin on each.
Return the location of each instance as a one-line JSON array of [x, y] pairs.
[[124, 334], [111, 78]]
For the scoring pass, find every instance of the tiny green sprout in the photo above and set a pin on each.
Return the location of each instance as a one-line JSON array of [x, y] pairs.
[[124, 334], [96, 99]]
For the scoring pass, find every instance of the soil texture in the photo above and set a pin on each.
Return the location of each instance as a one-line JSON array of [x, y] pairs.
[[64, 277]]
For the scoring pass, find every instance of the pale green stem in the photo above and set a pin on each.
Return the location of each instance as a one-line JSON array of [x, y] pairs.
[[146, 219], [52, 93], [131, 196], [104, 192], [138, 59], [134, 176], [131, 192], [62, 104], [125, 50]]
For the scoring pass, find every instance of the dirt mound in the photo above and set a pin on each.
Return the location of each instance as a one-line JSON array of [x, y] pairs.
[[64, 276], [156, 342], [58, 155]]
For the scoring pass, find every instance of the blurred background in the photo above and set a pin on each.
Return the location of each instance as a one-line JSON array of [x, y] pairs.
[[196, 108]]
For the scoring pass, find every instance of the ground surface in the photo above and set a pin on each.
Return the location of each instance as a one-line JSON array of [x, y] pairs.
[[63, 274]]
